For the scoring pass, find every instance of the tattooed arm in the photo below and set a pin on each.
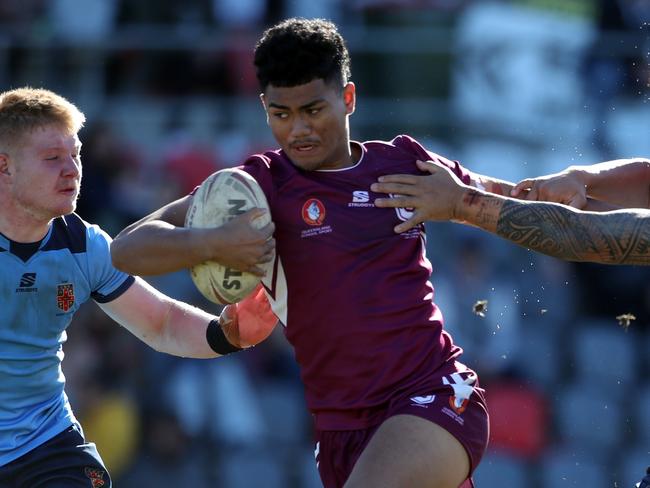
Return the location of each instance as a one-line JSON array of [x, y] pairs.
[[617, 237]]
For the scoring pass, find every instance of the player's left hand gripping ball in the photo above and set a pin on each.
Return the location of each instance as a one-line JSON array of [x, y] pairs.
[[250, 321]]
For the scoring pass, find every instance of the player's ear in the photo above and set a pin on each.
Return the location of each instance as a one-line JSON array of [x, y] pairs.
[[349, 97], [263, 100]]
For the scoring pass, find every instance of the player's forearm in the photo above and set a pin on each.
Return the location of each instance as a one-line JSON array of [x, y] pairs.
[[491, 184], [161, 322], [621, 237], [623, 182], [479, 208], [156, 247], [183, 332]]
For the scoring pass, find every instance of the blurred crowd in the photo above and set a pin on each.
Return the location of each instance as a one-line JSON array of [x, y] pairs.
[[168, 87]]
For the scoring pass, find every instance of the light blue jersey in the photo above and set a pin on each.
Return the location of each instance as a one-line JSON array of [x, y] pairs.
[[38, 298]]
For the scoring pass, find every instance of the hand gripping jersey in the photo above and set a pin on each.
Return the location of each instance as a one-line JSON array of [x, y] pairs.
[[354, 296], [38, 298]]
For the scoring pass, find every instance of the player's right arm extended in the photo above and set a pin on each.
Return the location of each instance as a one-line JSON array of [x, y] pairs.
[[622, 183], [159, 243], [174, 327]]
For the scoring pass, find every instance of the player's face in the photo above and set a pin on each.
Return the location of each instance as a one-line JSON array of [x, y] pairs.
[[46, 173], [310, 123]]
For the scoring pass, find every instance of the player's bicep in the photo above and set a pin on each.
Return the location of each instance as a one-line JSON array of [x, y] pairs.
[[173, 213]]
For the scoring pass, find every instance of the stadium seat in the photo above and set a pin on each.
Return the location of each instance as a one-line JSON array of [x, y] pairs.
[[519, 421], [587, 415], [540, 358], [489, 156], [247, 468], [632, 464], [645, 347], [144, 122], [606, 354], [502, 470], [284, 413], [641, 402], [564, 468], [623, 121]]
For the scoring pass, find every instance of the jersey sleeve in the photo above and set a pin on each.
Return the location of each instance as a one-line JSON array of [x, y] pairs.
[[413, 146], [259, 167], [107, 283]]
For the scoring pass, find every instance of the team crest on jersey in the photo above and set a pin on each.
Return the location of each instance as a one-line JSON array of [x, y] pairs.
[[458, 404], [65, 296], [463, 386], [313, 212], [96, 476]]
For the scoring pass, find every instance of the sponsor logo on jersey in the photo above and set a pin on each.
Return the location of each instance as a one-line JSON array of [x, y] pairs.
[[27, 279], [96, 476], [313, 212], [360, 198], [422, 401], [26, 284], [65, 296]]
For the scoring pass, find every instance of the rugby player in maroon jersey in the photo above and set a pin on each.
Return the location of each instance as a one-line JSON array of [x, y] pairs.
[[392, 404]]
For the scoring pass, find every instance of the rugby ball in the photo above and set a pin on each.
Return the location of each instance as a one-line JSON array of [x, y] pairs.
[[221, 197]]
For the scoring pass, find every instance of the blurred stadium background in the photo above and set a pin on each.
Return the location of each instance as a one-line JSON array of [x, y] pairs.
[[509, 88]]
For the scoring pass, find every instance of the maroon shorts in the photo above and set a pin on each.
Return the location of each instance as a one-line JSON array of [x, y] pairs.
[[456, 406]]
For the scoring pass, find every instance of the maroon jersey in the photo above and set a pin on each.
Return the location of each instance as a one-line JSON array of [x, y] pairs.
[[354, 296]]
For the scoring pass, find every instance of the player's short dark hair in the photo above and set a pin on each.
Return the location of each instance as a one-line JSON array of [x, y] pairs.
[[297, 51]]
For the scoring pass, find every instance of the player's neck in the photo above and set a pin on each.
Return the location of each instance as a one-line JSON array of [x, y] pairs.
[[20, 226], [351, 157], [355, 152]]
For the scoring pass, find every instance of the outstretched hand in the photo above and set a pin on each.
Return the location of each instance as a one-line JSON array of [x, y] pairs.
[[239, 244], [250, 321], [564, 187], [432, 197]]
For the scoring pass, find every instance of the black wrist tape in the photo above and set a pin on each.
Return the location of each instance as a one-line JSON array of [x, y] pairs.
[[217, 339]]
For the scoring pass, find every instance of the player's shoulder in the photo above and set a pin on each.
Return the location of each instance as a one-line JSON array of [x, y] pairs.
[[266, 159], [261, 160], [68, 232], [400, 153], [73, 233], [407, 146], [400, 144], [269, 166]]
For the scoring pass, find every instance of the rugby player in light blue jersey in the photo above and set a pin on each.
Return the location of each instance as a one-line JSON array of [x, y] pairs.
[[51, 262]]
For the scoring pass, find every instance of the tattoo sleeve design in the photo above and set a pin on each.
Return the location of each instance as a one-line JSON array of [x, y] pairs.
[[621, 237]]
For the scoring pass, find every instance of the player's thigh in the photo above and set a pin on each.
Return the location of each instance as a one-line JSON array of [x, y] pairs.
[[409, 451]]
